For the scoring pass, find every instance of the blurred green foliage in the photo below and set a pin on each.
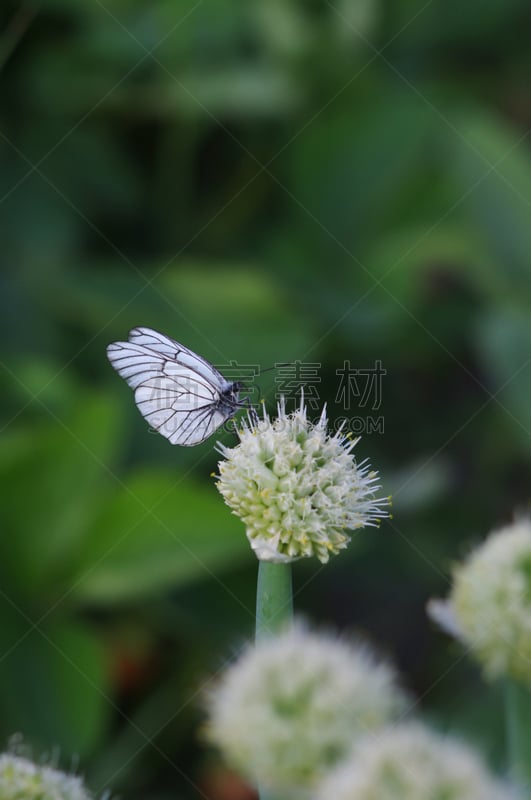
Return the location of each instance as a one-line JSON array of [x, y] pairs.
[[296, 179]]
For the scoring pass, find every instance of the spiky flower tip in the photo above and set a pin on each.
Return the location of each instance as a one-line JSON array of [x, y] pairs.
[[288, 710], [22, 779], [298, 489], [409, 762], [489, 608]]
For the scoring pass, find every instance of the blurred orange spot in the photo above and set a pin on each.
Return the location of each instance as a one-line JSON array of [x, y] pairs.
[[219, 783]]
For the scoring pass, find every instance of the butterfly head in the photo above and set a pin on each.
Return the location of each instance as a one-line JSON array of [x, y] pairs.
[[232, 394]]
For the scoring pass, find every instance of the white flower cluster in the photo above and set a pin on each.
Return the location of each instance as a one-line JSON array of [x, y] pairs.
[[297, 489], [309, 715], [289, 710], [410, 762], [21, 779], [489, 607]]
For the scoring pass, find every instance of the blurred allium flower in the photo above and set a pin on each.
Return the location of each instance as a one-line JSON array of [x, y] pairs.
[[489, 607], [297, 489], [409, 762], [288, 710], [21, 779]]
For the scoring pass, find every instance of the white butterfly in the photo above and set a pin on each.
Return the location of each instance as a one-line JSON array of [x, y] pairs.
[[181, 395]]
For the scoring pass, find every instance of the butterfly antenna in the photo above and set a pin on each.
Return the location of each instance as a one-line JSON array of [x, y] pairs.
[[246, 403], [275, 366]]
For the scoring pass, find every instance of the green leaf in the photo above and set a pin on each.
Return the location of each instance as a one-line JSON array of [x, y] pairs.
[[221, 310], [159, 532], [54, 688], [405, 259], [53, 489], [260, 90], [350, 174], [493, 168], [258, 321], [503, 341]]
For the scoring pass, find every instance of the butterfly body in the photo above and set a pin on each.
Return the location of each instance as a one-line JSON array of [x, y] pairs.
[[180, 394]]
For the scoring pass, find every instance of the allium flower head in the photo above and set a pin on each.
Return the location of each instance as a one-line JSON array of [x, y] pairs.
[[21, 779], [409, 762], [289, 709], [297, 488], [489, 607]]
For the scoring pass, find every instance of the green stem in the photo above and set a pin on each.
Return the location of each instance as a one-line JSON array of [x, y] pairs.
[[274, 611], [518, 731], [274, 600]]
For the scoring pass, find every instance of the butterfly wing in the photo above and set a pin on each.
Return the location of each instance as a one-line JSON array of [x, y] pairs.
[[176, 391], [146, 337]]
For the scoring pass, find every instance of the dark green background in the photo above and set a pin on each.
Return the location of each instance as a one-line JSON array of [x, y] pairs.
[[263, 181]]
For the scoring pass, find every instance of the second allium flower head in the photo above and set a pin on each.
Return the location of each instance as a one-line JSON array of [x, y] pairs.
[[297, 488], [410, 762], [489, 608], [289, 710]]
